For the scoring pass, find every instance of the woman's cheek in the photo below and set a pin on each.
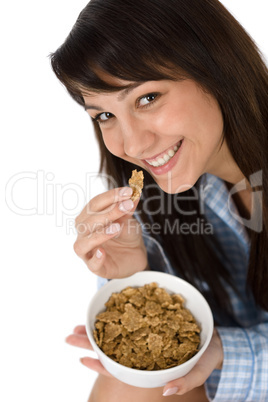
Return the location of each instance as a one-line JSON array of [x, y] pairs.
[[113, 145]]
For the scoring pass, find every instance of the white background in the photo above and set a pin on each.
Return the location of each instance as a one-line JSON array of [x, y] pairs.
[[47, 140]]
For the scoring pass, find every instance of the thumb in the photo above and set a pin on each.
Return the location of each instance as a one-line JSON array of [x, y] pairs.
[[136, 202], [211, 359], [129, 224], [195, 378]]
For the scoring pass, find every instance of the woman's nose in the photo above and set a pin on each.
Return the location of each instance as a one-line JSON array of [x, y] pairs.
[[137, 138]]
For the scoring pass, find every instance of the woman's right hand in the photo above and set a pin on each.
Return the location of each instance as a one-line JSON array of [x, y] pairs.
[[109, 239]]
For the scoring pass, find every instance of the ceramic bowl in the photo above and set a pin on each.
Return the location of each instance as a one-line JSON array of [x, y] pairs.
[[194, 301]]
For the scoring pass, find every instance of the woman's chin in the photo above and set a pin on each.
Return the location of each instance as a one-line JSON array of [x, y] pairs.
[[174, 188]]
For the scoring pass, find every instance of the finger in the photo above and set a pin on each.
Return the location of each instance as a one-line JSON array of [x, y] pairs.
[[95, 364], [80, 329], [104, 200], [103, 265], [98, 221], [84, 245], [95, 263], [81, 341]]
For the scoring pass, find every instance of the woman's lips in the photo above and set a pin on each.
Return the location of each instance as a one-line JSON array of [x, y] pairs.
[[165, 161]]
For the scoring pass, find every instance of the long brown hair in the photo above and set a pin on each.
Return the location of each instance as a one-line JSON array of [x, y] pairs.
[[145, 40]]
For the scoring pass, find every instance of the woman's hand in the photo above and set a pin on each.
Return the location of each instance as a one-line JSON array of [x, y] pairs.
[[210, 360], [109, 239], [79, 338]]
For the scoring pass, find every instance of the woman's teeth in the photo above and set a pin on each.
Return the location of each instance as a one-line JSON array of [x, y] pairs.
[[165, 157]]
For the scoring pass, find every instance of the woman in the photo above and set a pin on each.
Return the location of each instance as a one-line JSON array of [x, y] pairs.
[[179, 89]]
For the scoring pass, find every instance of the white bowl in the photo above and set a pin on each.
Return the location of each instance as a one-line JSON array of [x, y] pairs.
[[194, 301]]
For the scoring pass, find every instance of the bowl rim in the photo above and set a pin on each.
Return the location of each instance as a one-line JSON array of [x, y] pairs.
[[170, 370]]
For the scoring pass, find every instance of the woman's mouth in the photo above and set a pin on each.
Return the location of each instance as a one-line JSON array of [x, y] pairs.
[[165, 157]]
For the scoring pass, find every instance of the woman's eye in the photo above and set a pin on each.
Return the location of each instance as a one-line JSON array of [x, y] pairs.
[[147, 99], [103, 117]]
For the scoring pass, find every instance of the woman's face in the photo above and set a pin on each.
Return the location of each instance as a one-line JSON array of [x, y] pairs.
[[172, 129]]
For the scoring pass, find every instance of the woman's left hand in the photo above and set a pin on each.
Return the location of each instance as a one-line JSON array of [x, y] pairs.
[[210, 360]]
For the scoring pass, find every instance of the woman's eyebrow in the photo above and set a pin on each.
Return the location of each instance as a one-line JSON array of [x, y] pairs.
[[121, 95], [94, 107], [124, 92]]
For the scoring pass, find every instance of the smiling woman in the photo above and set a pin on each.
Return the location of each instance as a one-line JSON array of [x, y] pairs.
[[180, 90]]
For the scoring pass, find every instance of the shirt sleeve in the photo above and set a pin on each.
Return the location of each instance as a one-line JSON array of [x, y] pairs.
[[244, 375]]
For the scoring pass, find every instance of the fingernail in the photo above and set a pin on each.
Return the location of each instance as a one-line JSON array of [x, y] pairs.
[[125, 191], [113, 228], [126, 205], [171, 391], [98, 254]]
